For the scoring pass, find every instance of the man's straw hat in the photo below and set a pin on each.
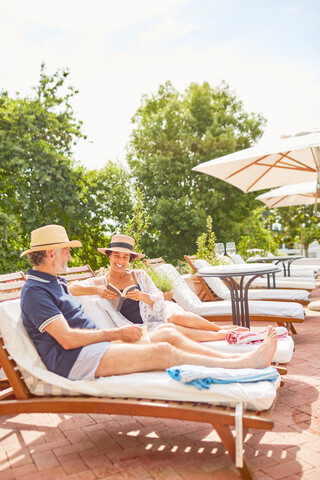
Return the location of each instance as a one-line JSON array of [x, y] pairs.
[[50, 237], [121, 243]]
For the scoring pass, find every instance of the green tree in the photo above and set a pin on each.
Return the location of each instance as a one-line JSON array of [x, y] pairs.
[[40, 182], [172, 133], [299, 225], [254, 234], [109, 207]]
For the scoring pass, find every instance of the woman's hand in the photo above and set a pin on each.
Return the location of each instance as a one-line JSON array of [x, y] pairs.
[[136, 295], [104, 292], [130, 333]]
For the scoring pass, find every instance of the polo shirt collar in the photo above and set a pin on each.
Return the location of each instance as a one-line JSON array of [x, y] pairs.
[[41, 276]]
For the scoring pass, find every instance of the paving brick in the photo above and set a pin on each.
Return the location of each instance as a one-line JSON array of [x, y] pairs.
[[55, 473], [18, 472], [44, 460], [114, 447], [73, 464]]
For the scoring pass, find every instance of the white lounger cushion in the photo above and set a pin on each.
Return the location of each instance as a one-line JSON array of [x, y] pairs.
[[157, 385], [285, 282], [94, 308], [188, 300], [220, 289], [281, 282]]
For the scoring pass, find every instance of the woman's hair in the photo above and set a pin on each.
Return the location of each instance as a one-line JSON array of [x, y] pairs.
[[37, 258], [132, 256]]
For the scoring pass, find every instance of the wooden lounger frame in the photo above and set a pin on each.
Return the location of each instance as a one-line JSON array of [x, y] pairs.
[[15, 398]]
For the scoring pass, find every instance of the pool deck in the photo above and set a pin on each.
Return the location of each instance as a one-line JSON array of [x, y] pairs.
[[86, 447]]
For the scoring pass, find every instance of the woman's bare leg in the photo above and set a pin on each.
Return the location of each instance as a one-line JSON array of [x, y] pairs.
[[196, 334], [192, 320]]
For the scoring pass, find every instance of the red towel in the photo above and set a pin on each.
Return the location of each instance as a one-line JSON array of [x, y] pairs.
[[256, 336]]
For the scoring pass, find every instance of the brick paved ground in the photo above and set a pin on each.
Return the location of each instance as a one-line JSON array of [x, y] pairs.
[[85, 447]]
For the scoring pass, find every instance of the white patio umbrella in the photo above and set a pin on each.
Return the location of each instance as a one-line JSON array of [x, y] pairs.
[[289, 195], [283, 162]]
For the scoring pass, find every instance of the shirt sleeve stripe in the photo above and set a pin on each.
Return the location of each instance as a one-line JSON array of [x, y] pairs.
[[46, 322]]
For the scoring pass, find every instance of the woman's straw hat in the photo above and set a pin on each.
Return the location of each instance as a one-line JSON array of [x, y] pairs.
[[50, 237], [121, 243]]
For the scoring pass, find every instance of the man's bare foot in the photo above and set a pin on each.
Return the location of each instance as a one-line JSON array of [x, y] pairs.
[[262, 356]]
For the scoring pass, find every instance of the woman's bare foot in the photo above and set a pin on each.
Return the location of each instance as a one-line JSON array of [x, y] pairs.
[[262, 356]]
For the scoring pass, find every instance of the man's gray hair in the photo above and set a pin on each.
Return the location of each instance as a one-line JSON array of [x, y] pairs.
[[37, 258]]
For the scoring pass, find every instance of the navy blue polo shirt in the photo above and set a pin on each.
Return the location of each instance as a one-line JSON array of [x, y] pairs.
[[43, 298]]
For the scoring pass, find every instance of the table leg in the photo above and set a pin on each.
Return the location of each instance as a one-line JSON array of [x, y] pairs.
[[284, 267], [246, 318], [235, 301], [289, 264]]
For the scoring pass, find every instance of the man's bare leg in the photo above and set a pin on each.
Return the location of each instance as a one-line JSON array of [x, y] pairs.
[[127, 358]]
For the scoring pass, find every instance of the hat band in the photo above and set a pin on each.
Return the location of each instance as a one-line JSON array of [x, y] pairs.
[[121, 244], [48, 244]]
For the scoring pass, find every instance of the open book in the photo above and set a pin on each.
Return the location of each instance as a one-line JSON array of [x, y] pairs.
[[144, 340], [121, 295]]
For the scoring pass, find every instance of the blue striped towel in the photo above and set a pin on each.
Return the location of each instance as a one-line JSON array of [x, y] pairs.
[[203, 377]]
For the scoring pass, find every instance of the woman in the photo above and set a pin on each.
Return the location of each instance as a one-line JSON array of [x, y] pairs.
[[143, 304]]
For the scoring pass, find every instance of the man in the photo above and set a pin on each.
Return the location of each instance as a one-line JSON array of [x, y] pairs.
[[71, 345]]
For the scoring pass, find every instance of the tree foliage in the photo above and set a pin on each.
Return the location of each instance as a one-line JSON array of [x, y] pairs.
[[299, 225], [172, 133], [41, 184], [254, 234]]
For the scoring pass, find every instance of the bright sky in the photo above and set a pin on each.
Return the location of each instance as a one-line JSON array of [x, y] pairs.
[[267, 50]]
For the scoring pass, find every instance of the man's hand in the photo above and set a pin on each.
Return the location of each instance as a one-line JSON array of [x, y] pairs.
[[130, 333]]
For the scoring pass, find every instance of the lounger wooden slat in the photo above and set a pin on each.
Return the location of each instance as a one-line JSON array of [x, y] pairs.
[[211, 296], [78, 273], [154, 262], [11, 285]]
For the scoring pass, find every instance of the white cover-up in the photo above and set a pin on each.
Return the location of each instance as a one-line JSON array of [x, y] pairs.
[[148, 313], [190, 302], [223, 292], [157, 385]]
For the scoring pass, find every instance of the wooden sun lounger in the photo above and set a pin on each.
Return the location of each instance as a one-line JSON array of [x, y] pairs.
[[15, 398], [279, 320], [190, 259]]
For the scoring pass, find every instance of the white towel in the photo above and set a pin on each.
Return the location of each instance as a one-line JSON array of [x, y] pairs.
[[257, 336], [203, 377]]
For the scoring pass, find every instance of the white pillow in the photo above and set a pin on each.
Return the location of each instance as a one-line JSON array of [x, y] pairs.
[[215, 283], [237, 258]]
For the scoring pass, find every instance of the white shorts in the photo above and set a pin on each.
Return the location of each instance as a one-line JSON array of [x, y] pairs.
[[170, 308], [84, 368]]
